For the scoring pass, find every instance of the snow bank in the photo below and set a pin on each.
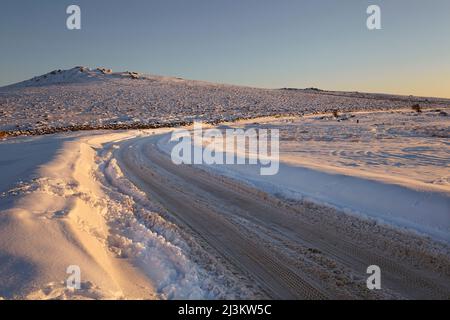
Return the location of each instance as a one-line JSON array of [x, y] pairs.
[[160, 247], [417, 209]]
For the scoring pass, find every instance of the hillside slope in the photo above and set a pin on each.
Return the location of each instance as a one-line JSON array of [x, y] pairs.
[[81, 98]]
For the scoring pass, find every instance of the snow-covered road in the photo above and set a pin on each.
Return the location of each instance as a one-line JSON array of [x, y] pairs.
[[263, 237], [140, 226]]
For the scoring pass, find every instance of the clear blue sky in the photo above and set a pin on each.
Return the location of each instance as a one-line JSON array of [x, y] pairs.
[[276, 43]]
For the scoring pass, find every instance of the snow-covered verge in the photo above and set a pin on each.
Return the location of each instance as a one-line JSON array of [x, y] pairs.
[[388, 166], [83, 99], [80, 210], [426, 212]]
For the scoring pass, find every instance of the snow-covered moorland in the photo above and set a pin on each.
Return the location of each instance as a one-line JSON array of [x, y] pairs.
[[81, 98]]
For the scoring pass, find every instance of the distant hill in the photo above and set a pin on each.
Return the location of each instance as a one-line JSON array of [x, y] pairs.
[[83, 98]]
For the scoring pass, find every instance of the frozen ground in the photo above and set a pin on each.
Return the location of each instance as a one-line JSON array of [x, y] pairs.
[[80, 98]]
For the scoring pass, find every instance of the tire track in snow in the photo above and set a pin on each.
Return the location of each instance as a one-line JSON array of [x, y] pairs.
[[186, 192]]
